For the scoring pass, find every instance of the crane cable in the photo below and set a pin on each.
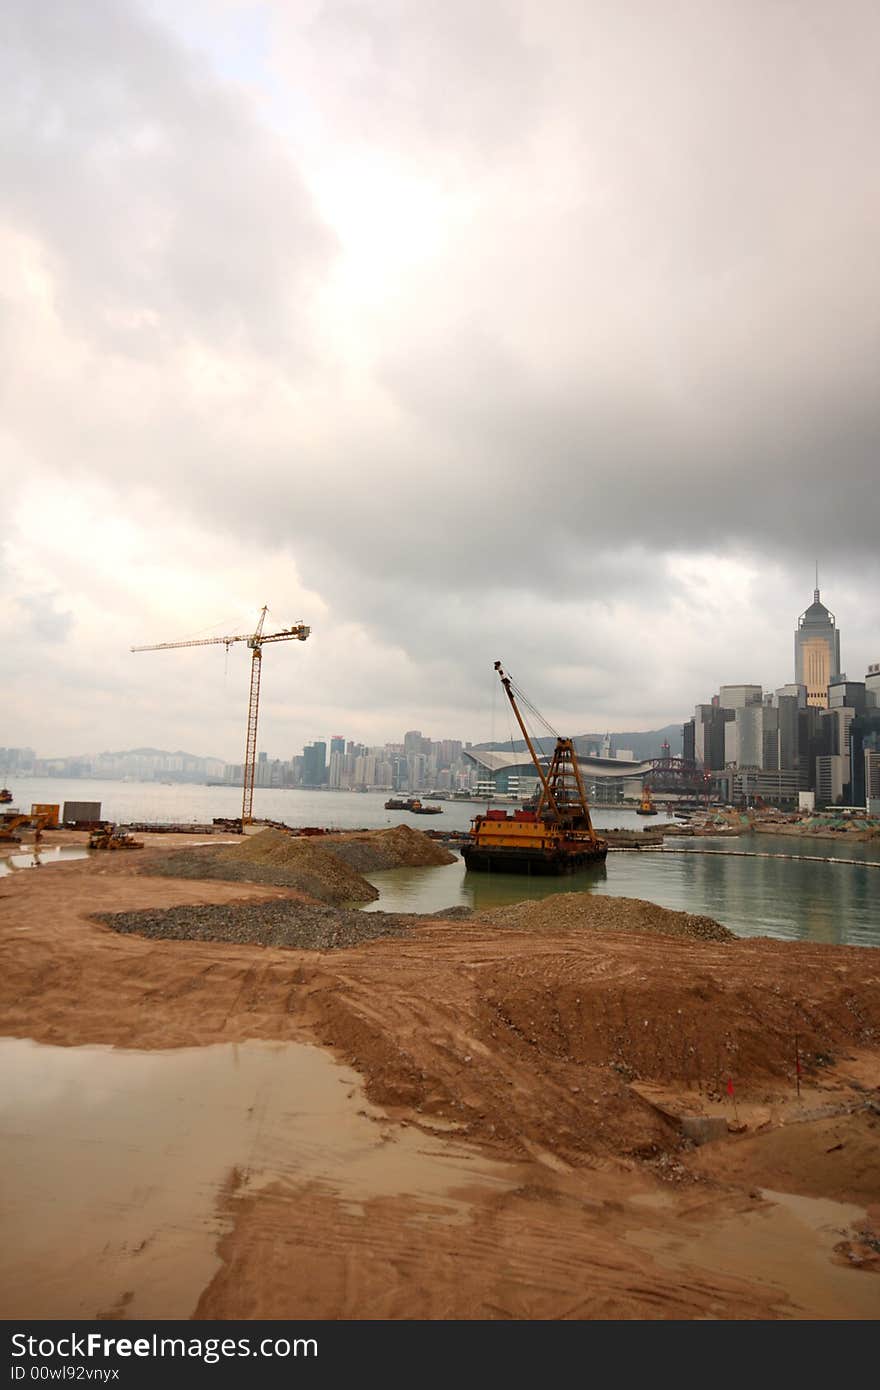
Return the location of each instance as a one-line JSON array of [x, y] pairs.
[[533, 709], [523, 700]]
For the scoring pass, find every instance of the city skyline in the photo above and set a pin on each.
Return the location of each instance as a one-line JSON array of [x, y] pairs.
[[817, 618], [816, 735], [819, 621], [12, 755]]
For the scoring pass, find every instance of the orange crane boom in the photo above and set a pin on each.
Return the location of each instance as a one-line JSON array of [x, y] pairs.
[[563, 797], [256, 641]]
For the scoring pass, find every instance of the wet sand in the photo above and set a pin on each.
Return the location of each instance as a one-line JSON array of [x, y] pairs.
[[122, 1212], [448, 1125]]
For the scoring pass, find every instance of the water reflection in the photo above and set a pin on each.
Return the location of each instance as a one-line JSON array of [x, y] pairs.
[[116, 1163], [186, 802], [794, 899], [37, 857], [492, 890]]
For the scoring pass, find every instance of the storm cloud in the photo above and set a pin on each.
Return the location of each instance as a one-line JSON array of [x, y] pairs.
[[546, 332]]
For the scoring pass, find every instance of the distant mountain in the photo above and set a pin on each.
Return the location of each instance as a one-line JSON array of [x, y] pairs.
[[645, 743], [158, 753], [121, 755], [140, 753]]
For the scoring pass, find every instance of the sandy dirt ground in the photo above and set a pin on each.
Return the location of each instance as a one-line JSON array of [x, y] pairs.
[[566, 1056]]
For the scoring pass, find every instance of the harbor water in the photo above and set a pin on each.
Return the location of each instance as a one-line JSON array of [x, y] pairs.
[[794, 898], [755, 896], [197, 804]]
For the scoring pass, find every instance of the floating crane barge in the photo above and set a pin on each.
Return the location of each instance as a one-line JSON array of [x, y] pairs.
[[555, 838]]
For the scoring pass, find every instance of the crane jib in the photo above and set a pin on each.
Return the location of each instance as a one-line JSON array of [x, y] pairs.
[[299, 632]]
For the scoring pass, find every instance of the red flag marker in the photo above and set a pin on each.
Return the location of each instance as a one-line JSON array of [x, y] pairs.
[[732, 1094]]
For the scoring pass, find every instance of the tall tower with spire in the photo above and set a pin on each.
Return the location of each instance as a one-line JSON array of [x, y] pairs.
[[816, 650]]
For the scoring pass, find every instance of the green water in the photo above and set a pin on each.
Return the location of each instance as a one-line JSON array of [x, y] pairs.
[[806, 901]]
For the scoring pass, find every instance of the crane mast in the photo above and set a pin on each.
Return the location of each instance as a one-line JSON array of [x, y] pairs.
[[255, 640]]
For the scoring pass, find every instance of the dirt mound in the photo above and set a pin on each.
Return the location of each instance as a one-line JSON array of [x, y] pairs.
[[694, 1028], [534, 1042], [330, 868], [305, 865], [398, 847], [563, 910]]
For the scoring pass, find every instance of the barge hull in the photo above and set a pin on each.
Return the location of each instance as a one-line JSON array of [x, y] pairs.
[[522, 861]]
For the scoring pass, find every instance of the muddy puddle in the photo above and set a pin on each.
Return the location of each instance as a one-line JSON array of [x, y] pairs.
[[117, 1165], [29, 858], [786, 1243]]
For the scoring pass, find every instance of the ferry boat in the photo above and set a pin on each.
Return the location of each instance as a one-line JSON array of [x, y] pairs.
[[5, 796], [556, 837], [413, 804]]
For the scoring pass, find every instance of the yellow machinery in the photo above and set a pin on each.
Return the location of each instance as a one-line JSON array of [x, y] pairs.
[[646, 806], [557, 836], [8, 831], [110, 837]]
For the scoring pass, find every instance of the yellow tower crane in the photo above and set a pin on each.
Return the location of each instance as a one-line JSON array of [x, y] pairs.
[[255, 640]]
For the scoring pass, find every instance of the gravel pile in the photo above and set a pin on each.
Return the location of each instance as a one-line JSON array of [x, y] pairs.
[[309, 867], [306, 926], [329, 868], [590, 910], [368, 851], [320, 872]]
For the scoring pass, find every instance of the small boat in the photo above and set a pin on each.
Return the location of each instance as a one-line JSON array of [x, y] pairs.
[[646, 807], [5, 796]]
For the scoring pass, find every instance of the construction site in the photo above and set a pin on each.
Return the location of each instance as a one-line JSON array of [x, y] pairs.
[[577, 1108], [237, 1094]]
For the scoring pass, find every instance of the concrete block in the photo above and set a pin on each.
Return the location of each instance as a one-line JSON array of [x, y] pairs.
[[703, 1128]]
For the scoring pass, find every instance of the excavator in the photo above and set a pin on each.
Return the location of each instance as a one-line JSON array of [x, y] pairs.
[[9, 831], [108, 836]]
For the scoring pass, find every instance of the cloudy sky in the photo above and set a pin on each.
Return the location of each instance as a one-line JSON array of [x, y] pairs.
[[541, 330]]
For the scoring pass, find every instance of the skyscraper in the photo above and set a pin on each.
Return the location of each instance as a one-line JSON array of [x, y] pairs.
[[315, 764], [816, 651]]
